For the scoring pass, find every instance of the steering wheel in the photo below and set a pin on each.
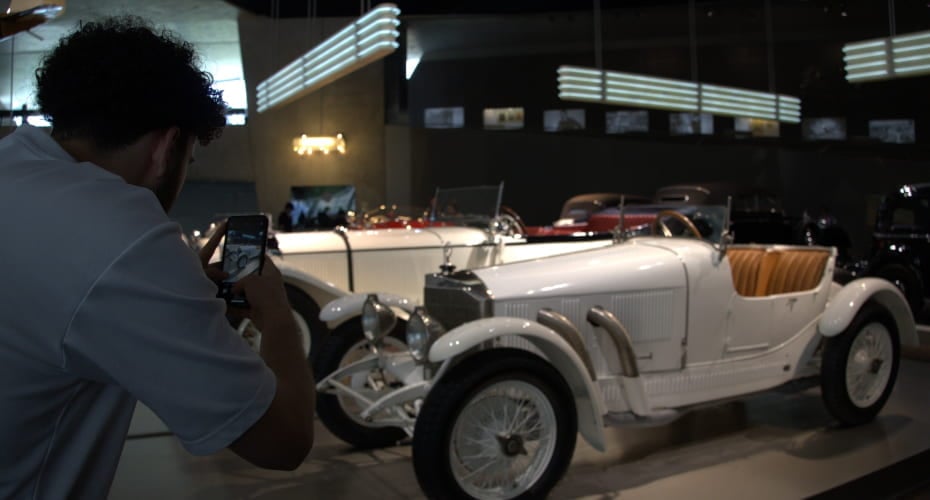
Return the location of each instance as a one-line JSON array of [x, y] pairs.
[[658, 225], [509, 222]]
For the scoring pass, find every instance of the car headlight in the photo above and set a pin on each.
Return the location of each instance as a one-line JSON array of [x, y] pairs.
[[377, 319], [422, 331]]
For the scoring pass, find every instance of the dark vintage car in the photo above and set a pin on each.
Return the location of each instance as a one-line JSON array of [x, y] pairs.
[[757, 215], [901, 243]]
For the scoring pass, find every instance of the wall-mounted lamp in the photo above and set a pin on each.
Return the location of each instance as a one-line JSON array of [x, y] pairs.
[[628, 89], [887, 58], [304, 145], [372, 37]]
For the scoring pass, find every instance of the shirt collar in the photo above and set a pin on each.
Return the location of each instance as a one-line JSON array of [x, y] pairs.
[[41, 142]]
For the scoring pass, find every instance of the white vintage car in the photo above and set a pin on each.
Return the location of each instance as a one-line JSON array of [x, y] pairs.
[[467, 228], [506, 364]]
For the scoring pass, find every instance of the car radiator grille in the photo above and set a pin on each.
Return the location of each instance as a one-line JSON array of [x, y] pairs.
[[456, 298]]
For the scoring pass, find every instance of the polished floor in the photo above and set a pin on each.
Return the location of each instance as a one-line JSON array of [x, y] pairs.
[[778, 445]]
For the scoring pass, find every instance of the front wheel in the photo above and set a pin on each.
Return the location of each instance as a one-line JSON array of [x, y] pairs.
[[340, 413], [501, 425], [860, 366]]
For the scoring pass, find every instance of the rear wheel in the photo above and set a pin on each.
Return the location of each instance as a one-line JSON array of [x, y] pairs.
[[501, 424], [860, 366]]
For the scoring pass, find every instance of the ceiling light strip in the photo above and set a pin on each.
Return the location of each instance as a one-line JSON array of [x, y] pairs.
[[614, 87], [900, 56], [369, 38]]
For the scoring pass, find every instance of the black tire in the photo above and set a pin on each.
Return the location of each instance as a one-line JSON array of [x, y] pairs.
[[329, 407], [242, 261], [309, 312], [432, 437], [907, 281], [834, 388]]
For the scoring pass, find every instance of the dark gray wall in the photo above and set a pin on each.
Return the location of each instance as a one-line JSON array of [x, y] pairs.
[[203, 202], [352, 105]]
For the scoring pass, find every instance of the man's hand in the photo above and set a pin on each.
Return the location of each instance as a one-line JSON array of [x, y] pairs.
[[282, 438], [267, 299]]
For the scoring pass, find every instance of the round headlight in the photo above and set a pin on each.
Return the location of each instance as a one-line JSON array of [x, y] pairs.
[[377, 319], [422, 331]]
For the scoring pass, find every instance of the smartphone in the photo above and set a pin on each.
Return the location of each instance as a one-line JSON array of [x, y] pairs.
[[243, 253]]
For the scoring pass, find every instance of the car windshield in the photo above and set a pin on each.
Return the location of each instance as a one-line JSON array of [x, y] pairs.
[[467, 206], [708, 220]]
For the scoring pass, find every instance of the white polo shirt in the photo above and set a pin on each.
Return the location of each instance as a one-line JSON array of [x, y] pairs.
[[101, 304]]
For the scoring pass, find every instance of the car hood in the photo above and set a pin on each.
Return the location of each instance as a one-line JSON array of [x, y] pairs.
[[639, 264], [374, 239]]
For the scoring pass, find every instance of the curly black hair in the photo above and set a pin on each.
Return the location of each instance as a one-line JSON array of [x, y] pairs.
[[114, 80]]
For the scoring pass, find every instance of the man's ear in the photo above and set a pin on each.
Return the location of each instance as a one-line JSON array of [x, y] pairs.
[[163, 142]]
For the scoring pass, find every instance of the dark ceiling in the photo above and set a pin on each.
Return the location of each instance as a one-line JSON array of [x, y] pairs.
[[343, 8]]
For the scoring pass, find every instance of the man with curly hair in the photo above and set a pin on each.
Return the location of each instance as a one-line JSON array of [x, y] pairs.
[[103, 304]]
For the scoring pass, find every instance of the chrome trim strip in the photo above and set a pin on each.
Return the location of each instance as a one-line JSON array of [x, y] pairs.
[[562, 326], [744, 348], [598, 316]]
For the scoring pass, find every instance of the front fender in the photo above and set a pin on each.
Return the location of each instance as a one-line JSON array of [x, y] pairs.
[[588, 401], [847, 301], [320, 291], [350, 306]]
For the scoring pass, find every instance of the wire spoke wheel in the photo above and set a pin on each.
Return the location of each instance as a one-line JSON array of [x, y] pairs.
[[372, 384], [860, 366], [868, 366], [501, 424], [503, 440], [339, 411]]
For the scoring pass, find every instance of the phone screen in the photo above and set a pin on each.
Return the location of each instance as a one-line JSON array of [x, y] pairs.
[[243, 251]]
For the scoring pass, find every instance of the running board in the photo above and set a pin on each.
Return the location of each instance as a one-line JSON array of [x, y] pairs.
[[654, 419]]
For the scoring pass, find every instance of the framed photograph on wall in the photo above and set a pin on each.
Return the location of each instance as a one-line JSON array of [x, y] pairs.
[[827, 128], [503, 118], [756, 127], [562, 120], [451, 117], [893, 131], [690, 124], [625, 122], [321, 207]]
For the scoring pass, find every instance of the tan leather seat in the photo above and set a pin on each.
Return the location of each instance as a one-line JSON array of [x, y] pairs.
[[797, 270], [744, 265], [766, 271], [758, 272]]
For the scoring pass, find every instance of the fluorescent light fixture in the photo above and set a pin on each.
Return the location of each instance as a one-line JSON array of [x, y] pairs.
[[887, 58], [304, 145], [412, 63], [371, 37], [615, 87]]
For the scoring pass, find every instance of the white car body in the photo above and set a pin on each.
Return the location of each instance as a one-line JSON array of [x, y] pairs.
[[645, 329], [331, 264], [695, 338], [321, 266]]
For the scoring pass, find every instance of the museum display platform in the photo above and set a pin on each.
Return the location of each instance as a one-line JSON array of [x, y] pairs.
[[780, 444]]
